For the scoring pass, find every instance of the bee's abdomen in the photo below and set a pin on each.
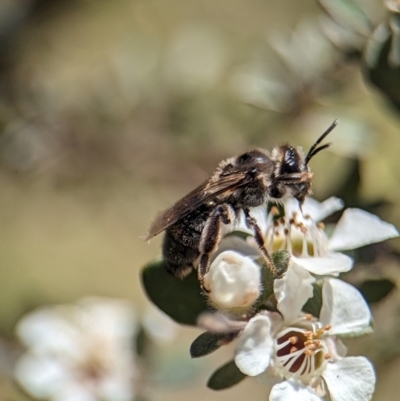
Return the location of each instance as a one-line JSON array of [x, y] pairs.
[[181, 242]]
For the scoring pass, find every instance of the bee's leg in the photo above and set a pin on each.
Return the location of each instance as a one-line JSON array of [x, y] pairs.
[[211, 236], [203, 267], [252, 223]]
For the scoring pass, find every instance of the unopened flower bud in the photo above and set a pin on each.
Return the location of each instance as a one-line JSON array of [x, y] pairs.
[[234, 281]]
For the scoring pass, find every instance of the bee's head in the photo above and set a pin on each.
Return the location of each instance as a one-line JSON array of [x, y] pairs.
[[292, 175]]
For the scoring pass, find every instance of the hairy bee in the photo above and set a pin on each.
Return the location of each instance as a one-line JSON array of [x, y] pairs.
[[194, 225]]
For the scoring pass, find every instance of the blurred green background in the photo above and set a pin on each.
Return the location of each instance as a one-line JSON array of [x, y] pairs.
[[112, 110]]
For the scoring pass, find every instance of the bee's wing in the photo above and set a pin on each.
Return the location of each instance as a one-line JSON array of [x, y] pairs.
[[194, 199]]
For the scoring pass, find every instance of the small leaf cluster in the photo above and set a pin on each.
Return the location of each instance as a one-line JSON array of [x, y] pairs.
[[317, 58], [374, 36]]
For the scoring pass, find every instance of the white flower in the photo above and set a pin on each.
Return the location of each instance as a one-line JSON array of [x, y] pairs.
[[304, 351], [160, 327], [79, 352], [301, 234], [234, 281]]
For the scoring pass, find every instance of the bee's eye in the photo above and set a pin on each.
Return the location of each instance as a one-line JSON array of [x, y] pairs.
[[288, 168], [290, 162]]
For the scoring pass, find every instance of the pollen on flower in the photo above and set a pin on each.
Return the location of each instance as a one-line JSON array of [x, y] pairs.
[[327, 327], [327, 356], [308, 356], [274, 211]]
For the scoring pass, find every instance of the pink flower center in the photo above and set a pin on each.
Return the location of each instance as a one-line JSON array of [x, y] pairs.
[[301, 352]]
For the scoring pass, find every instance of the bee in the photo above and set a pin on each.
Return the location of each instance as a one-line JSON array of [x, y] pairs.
[[195, 224]]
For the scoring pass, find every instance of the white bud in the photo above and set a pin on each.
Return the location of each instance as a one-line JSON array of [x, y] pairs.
[[234, 281]]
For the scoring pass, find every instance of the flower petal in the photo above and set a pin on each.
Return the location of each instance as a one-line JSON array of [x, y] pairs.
[[318, 211], [350, 379], [75, 391], [336, 347], [116, 387], [292, 291], [344, 308], [40, 376], [255, 346], [357, 228], [50, 329], [161, 328], [113, 318], [331, 264], [289, 390]]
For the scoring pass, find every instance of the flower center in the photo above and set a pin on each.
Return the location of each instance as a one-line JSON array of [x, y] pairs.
[[297, 234], [301, 352], [94, 365]]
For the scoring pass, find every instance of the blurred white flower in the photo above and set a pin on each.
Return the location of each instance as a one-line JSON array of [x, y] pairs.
[[301, 234], [304, 351], [81, 352], [294, 77], [234, 282], [159, 326]]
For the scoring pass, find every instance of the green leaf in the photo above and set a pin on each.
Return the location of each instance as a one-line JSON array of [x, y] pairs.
[[314, 304], [225, 377], [182, 300], [206, 343], [348, 13], [375, 290], [379, 66]]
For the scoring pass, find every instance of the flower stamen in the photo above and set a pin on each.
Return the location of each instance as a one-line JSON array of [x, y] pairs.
[[299, 235], [308, 355]]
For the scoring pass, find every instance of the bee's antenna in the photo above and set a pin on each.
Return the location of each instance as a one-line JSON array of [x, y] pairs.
[[314, 150]]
